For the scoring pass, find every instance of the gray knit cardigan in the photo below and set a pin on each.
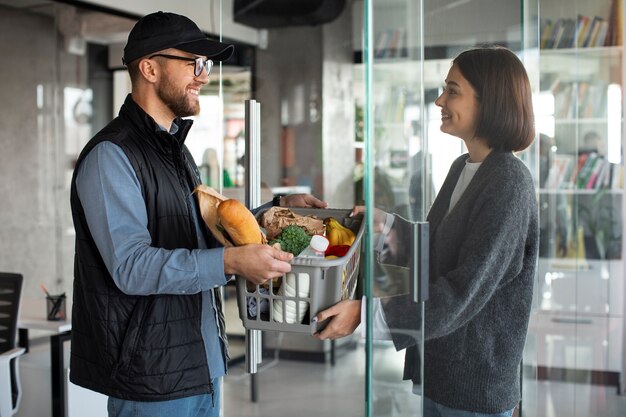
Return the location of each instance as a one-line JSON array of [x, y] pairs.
[[483, 257]]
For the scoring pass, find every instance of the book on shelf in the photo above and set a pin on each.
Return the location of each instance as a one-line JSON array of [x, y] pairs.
[[594, 103], [583, 31], [555, 34], [598, 173], [582, 159], [588, 171], [381, 44], [604, 179], [597, 32], [615, 25], [593, 179], [601, 35], [390, 43], [547, 26], [397, 44], [563, 101], [559, 172], [616, 179], [593, 32], [579, 99], [568, 34]]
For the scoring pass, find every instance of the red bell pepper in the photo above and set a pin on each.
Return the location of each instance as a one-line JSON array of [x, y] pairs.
[[337, 250]]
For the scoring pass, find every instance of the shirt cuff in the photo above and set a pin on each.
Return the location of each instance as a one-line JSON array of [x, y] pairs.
[[211, 268], [380, 239], [388, 223], [380, 329]]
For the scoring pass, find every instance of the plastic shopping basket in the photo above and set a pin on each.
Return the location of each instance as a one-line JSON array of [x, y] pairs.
[[292, 308]]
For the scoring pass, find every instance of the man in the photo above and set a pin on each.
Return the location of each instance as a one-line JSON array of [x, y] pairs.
[[148, 327]]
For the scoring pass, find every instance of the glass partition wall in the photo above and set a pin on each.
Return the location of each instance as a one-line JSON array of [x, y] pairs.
[[574, 357], [397, 180], [412, 46], [573, 53]]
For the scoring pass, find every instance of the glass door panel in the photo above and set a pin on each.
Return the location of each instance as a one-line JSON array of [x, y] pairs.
[[412, 45], [397, 167], [576, 332], [301, 75]]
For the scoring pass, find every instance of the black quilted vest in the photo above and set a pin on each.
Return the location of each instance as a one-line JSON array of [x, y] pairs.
[[142, 348]]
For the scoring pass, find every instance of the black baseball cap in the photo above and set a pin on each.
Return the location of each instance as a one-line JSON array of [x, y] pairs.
[[162, 30]]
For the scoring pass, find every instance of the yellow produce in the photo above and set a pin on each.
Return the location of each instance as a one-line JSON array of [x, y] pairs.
[[338, 234]]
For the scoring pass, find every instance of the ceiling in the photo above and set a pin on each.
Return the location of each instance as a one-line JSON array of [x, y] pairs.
[[93, 26]]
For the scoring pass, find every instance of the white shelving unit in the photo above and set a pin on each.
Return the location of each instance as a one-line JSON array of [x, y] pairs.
[[579, 316]]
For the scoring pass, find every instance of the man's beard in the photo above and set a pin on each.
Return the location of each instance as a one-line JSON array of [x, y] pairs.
[[179, 104]]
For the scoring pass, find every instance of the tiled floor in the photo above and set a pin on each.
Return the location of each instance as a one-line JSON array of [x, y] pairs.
[[556, 399], [298, 389], [288, 388], [303, 389]]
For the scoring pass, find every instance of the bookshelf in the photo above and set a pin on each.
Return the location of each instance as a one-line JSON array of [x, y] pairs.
[[581, 171], [580, 277]]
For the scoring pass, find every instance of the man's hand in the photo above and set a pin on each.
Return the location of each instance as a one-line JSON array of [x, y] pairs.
[[344, 316], [302, 200], [256, 263]]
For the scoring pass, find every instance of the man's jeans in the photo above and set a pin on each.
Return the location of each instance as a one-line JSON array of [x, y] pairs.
[[433, 409], [196, 406]]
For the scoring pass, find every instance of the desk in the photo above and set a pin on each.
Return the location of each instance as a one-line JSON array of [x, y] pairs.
[[32, 317]]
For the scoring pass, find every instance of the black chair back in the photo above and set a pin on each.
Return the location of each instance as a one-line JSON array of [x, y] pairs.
[[10, 292]]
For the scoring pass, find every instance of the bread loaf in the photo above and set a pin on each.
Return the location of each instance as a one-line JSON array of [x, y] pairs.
[[239, 223]]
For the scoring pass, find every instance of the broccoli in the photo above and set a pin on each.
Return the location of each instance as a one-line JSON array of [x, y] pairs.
[[293, 239]]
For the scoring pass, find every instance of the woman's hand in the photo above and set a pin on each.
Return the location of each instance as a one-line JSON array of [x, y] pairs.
[[302, 200], [344, 317], [380, 217]]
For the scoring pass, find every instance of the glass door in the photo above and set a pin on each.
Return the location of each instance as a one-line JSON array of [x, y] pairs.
[[409, 51], [397, 182]]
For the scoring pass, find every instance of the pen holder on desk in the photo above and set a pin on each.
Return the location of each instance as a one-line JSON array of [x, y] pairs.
[[55, 307]]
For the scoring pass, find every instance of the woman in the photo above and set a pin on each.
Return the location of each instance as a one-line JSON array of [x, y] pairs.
[[483, 248]]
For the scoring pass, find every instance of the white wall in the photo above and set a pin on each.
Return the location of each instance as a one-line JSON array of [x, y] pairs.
[[31, 236]]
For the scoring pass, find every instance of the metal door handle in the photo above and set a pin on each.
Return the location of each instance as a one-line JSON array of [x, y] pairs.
[[419, 261], [253, 199]]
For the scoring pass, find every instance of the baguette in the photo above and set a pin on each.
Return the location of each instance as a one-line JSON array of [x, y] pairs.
[[239, 223]]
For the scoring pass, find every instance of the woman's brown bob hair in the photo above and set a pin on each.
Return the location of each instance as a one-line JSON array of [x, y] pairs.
[[505, 116]]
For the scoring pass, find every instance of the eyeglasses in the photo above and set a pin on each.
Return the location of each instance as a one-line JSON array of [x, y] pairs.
[[198, 63]]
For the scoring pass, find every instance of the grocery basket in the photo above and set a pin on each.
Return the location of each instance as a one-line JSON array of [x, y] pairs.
[[267, 306]]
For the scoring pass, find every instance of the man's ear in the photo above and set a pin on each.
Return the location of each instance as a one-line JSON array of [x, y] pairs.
[[149, 70]]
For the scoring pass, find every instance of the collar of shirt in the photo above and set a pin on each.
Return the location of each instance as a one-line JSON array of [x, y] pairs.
[[172, 130]]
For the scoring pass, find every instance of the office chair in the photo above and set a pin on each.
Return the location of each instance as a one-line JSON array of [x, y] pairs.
[[10, 390]]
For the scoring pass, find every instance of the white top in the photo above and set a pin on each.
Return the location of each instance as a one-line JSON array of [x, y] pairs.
[[461, 185]]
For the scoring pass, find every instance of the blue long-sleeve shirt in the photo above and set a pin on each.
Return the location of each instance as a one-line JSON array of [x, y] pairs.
[[111, 197]]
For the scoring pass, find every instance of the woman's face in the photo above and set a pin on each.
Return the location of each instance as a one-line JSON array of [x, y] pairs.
[[459, 106]]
